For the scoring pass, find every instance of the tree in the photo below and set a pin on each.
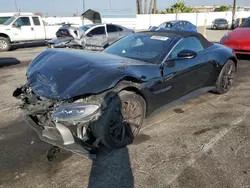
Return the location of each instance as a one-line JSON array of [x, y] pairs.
[[145, 6], [139, 6], [155, 6], [222, 8], [150, 7], [178, 7]]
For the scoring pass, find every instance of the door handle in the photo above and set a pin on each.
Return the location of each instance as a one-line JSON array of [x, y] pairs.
[[32, 29]]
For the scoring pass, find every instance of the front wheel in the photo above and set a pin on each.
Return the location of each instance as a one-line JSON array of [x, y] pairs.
[[121, 121], [226, 78], [4, 44]]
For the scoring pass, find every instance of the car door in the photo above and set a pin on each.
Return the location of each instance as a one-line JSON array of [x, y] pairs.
[[113, 33], [22, 29], [186, 75], [96, 38], [38, 28]]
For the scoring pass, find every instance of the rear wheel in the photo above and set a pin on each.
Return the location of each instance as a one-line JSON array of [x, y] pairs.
[[4, 44], [121, 121], [226, 78]]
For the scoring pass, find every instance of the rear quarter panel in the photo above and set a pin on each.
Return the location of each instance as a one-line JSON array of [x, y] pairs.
[[218, 55]]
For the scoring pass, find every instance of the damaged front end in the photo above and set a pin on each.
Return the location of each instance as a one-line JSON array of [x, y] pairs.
[[64, 124]]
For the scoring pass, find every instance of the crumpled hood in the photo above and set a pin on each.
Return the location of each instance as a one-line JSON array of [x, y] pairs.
[[62, 74]]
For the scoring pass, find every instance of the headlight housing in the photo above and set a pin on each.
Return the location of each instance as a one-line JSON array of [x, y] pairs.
[[76, 112]]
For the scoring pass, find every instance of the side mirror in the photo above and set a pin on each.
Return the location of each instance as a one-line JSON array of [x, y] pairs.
[[89, 35], [16, 24], [186, 54]]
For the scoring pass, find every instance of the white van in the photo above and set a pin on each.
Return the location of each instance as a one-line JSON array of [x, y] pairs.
[[5, 16]]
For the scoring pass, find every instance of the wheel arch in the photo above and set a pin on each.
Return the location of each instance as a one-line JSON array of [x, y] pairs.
[[234, 60], [5, 36]]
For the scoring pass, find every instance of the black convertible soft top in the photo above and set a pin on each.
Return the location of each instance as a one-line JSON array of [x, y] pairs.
[[183, 34]]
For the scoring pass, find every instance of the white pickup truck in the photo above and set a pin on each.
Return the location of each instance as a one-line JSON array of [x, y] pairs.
[[22, 28]]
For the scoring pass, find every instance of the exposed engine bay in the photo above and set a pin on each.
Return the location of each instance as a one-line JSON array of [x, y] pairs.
[[61, 123]]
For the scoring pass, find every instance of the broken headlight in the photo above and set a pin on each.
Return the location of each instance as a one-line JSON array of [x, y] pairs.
[[75, 112]]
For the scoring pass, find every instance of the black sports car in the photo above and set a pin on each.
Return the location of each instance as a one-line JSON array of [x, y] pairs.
[[78, 99]]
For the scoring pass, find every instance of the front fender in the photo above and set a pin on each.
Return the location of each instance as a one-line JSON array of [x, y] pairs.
[[3, 34]]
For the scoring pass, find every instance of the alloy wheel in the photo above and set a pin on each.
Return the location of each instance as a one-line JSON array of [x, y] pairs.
[[228, 76], [126, 121], [3, 44]]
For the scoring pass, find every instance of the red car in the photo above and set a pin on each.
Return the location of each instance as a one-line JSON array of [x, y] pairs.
[[239, 39]]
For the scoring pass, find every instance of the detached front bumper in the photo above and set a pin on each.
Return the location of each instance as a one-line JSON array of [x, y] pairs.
[[62, 137]]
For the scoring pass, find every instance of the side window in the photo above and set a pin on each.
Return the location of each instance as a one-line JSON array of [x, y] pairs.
[[119, 29], [190, 43], [23, 21], [36, 21], [98, 31], [187, 24], [163, 25], [178, 25], [111, 28], [3, 19]]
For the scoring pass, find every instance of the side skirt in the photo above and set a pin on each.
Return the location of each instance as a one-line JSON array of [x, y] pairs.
[[181, 100]]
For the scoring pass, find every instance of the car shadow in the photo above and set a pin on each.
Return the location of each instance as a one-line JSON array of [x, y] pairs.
[[243, 57], [8, 61], [27, 45], [112, 168]]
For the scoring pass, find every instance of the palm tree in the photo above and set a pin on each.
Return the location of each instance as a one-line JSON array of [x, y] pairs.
[[145, 6], [150, 7], [155, 6], [139, 6]]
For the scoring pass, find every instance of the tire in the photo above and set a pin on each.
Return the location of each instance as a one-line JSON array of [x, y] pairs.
[[113, 128], [4, 44], [226, 78]]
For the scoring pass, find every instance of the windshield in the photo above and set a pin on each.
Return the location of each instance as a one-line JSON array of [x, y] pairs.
[[9, 21], [221, 21], [246, 23], [140, 46], [85, 27], [4, 19]]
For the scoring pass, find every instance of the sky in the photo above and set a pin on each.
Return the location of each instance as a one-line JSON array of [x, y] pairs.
[[69, 7]]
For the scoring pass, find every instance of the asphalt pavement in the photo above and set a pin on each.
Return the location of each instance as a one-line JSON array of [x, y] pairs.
[[203, 143]]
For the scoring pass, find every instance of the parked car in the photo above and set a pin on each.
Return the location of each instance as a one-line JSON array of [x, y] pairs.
[[220, 23], [5, 16], [23, 28], [78, 99], [237, 23], [91, 37], [175, 25], [239, 38]]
